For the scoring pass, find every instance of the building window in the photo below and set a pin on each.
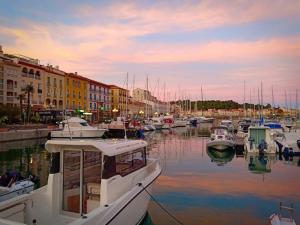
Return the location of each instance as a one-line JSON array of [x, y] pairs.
[[95, 98], [48, 81], [91, 105], [91, 97], [40, 88], [68, 82], [95, 106]]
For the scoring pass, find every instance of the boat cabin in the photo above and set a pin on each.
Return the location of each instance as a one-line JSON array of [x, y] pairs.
[[73, 122], [258, 135], [90, 174]]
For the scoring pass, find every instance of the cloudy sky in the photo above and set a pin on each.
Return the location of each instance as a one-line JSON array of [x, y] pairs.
[[184, 44]]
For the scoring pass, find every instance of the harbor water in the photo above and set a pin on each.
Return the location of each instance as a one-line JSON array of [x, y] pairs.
[[197, 186]]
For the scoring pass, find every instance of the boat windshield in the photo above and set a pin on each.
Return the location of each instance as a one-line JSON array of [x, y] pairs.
[[84, 124], [219, 131], [124, 164]]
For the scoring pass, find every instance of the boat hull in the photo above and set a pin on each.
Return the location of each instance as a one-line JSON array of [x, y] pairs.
[[220, 144]]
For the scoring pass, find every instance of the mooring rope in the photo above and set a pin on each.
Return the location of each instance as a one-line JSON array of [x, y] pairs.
[[164, 209]]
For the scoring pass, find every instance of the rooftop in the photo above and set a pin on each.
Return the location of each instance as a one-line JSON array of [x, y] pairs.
[[109, 147]]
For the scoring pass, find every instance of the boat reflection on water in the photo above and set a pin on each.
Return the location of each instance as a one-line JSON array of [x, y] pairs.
[[220, 157], [260, 164]]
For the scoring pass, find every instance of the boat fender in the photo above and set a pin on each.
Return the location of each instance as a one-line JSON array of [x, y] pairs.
[[298, 143]]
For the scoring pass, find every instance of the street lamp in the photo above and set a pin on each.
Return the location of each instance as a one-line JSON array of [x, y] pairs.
[[115, 111], [141, 112]]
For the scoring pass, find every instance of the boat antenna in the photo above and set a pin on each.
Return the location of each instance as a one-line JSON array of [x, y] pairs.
[[70, 134]]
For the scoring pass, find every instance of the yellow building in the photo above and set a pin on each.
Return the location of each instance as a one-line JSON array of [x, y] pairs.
[[76, 92], [32, 74], [118, 100], [54, 88]]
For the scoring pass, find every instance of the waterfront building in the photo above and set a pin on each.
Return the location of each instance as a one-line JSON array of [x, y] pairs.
[[54, 88], [31, 74], [136, 108], [118, 100], [76, 92], [152, 104], [99, 101], [9, 82]]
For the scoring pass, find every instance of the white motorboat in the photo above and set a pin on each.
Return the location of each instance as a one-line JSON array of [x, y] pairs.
[[228, 124], [220, 139], [260, 140], [179, 123], [157, 123], [203, 119], [279, 219], [77, 128], [15, 189], [90, 182], [149, 127]]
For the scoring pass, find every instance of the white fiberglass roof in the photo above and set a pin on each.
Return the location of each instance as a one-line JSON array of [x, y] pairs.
[[109, 147], [74, 120]]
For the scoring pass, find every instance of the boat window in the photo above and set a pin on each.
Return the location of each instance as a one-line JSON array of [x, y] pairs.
[[84, 124], [71, 181], [124, 164], [91, 180], [219, 132]]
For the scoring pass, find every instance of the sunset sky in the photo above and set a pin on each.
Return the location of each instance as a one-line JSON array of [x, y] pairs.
[[218, 44]]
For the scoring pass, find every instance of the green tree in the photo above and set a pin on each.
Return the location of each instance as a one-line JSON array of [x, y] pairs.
[[29, 89], [21, 97]]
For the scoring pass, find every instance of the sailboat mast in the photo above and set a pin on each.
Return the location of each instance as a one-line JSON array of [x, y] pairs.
[[147, 93], [258, 100], [273, 112], [297, 110], [261, 96], [126, 108], [201, 101], [250, 103], [245, 113], [286, 104]]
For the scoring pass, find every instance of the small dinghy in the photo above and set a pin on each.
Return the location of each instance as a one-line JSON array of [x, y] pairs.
[[279, 219], [13, 184], [220, 139]]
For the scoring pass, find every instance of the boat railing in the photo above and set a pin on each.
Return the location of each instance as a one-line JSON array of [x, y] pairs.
[[290, 209]]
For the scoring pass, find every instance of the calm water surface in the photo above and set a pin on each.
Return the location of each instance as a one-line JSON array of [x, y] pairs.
[[198, 186]]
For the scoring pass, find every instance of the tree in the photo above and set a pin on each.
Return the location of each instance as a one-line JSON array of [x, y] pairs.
[[29, 89], [21, 97]]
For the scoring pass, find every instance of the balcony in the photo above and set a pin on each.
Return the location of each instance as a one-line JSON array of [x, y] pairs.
[[10, 98], [24, 74], [31, 75], [38, 77]]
